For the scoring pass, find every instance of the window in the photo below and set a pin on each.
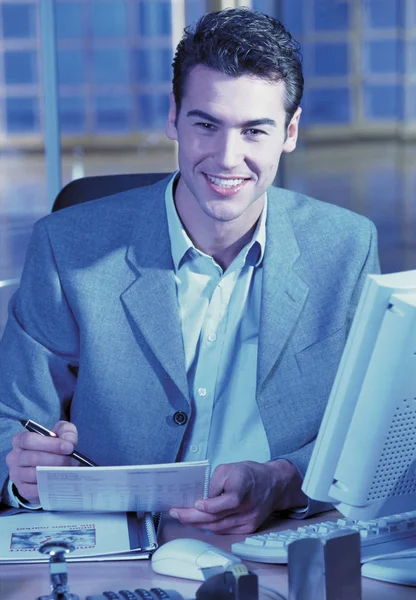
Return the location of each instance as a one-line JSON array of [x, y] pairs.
[[113, 113], [22, 115], [109, 19], [20, 67], [19, 20]]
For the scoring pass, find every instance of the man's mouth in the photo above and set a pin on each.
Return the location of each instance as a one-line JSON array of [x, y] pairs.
[[225, 182], [226, 185]]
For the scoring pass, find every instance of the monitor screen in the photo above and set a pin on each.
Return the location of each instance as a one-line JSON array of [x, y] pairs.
[[364, 459]]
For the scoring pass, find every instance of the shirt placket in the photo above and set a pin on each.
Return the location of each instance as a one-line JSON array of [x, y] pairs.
[[206, 375]]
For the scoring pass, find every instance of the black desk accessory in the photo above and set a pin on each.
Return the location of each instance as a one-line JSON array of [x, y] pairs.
[[57, 551]]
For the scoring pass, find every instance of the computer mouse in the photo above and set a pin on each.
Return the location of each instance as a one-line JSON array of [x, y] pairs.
[[191, 559]]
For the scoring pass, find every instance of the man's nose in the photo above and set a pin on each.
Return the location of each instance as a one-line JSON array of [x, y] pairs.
[[229, 150]]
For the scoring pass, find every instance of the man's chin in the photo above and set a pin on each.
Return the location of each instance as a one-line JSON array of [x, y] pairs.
[[223, 211]]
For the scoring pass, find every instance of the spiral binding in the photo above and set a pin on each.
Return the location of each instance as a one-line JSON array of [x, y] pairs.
[[207, 479]]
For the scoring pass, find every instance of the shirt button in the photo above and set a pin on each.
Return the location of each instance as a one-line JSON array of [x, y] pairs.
[[180, 418], [194, 448], [212, 337], [202, 392]]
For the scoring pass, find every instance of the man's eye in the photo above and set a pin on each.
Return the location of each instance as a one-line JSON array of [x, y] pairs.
[[255, 132], [207, 126]]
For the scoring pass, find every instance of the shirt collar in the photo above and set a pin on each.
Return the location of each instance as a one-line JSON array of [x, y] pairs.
[[181, 242]]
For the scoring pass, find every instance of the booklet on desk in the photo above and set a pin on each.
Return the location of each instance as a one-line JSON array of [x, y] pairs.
[[95, 536], [144, 488]]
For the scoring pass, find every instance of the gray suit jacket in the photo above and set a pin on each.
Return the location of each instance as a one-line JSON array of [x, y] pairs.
[[94, 334]]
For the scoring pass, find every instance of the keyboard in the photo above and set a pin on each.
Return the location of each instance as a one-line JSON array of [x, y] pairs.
[[380, 536]]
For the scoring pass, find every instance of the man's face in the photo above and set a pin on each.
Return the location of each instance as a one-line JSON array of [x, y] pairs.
[[230, 133]]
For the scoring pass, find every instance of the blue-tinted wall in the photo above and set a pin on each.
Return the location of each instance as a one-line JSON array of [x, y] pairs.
[[114, 61]]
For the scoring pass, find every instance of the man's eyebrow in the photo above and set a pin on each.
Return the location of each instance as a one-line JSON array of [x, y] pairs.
[[203, 115], [253, 123], [257, 122]]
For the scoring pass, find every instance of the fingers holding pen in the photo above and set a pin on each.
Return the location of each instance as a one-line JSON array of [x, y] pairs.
[[29, 450], [66, 431], [35, 444], [60, 440]]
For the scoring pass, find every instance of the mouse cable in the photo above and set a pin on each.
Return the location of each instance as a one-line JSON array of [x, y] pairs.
[[409, 553]]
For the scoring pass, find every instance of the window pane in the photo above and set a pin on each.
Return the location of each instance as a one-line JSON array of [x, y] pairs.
[[69, 19], [330, 15], [383, 56], [411, 102], [153, 111], [194, 9], [71, 67], [72, 114], [113, 113], [331, 59], [155, 18], [20, 67], [410, 57], [109, 19], [269, 7], [110, 65], [411, 15], [22, 115], [327, 105], [292, 16], [153, 65], [18, 20], [383, 14], [383, 102], [381, 186]]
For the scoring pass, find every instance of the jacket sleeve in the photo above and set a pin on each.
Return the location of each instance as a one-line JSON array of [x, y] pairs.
[[39, 348]]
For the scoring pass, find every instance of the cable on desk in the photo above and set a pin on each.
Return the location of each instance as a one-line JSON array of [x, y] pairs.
[[400, 554]]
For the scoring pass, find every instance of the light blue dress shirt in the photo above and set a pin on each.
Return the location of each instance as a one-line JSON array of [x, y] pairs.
[[220, 313]]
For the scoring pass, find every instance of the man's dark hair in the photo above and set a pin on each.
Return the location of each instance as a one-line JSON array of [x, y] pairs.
[[239, 42]]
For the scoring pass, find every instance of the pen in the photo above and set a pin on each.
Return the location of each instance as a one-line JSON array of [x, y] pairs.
[[36, 428]]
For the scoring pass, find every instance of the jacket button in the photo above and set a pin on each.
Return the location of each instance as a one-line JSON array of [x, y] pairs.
[[180, 418]]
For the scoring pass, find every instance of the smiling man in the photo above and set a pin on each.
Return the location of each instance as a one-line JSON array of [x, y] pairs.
[[231, 133], [201, 317]]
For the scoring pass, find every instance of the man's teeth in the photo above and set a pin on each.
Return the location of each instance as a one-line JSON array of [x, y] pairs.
[[225, 182]]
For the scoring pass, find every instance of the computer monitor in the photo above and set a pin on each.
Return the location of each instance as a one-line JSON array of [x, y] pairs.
[[364, 459]]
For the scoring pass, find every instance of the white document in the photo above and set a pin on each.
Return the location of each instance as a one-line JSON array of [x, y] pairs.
[[153, 488], [95, 536]]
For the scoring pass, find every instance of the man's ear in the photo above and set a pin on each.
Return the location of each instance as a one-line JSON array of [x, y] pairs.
[[292, 132], [171, 130]]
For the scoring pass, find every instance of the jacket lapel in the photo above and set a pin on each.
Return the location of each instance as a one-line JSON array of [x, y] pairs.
[[283, 292], [151, 300]]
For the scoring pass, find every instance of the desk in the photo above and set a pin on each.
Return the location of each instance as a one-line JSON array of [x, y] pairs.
[[27, 582]]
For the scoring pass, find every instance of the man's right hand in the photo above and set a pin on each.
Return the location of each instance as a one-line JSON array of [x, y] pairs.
[[31, 450]]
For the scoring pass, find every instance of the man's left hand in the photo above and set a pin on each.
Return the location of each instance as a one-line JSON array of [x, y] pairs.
[[242, 495]]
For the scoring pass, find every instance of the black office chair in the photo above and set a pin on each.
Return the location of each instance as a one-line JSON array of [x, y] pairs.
[[99, 186]]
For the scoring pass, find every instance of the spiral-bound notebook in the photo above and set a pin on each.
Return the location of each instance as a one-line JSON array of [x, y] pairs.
[[95, 509], [94, 536], [144, 488]]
